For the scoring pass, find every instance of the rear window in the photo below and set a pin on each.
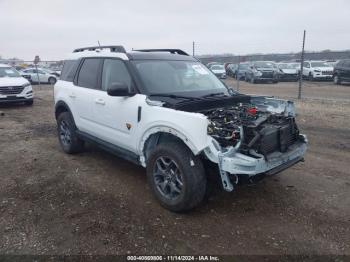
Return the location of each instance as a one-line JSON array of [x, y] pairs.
[[68, 70]]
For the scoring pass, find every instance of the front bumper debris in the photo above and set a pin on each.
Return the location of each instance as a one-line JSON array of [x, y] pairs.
[[235, 163]]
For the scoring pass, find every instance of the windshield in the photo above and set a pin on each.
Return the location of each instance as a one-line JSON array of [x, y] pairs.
[[243, 66], [319, 64], [286, 66], [174, 77], [217, 67], [264, 64], [8, 72]]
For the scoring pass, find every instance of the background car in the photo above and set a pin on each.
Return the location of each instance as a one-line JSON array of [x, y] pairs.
[[287, 72], [317, 70], [341, 72], [39, 75], [241, 70], [213, 63], [262, 71], [13, 87], [231, 70], [52, 72], [218, 70]]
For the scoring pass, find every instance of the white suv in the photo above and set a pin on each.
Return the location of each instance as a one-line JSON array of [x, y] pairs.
[[13, 87], [313, 70], [164, 110]]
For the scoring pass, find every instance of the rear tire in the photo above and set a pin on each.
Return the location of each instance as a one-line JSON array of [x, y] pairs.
[[176, 177], [67, 136]]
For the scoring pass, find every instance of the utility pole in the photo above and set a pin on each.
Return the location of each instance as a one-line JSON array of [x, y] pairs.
[[193, 48], [237, 74], [301, 67]]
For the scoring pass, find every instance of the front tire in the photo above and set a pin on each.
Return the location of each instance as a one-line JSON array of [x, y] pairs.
[[176, 177], [336, 80], [52, 80], [311, 77], [29, 102], [67, 135], [252, 80]]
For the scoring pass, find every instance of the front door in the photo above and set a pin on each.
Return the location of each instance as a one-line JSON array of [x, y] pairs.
[[116, 117]]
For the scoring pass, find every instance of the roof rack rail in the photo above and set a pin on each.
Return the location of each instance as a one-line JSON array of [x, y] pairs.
[[112, 48], [172, 51]]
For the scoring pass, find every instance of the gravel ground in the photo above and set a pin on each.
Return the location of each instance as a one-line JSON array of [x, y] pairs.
[[94, 203]]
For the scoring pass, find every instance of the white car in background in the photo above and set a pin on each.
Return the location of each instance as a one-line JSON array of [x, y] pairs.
[[39, 75], [218, 70], [14, 87], [317, 70], [287, 72]]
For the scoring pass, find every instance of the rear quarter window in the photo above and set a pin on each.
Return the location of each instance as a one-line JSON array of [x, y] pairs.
[[69, 69]]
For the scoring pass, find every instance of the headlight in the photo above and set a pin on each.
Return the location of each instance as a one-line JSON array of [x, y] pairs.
[[25, 85], [317, 71], [257, 73]]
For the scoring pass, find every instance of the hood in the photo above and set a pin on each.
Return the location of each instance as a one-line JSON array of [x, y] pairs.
[[323, 68], [13, 81], [289, 71], [265, 69], [218, 71]]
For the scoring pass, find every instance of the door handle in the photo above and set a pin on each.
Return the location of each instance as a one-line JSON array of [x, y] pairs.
[[100, 101], [72, 95]]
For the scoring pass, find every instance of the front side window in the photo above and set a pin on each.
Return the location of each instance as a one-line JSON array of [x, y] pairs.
[[177, 77], [8, 72], [115, 71], [88, 74]]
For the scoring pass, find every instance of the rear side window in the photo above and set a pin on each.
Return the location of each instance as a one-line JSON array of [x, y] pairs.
[[68, 70], [89, 71]]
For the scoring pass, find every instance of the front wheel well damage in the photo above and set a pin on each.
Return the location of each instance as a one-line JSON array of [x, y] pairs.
[[159, 138]]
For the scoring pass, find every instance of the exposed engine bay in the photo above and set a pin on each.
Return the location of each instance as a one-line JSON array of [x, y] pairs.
[[264, 132]]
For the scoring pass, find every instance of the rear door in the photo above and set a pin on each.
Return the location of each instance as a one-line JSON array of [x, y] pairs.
[[306, 69], [84, 92], [43, 76]]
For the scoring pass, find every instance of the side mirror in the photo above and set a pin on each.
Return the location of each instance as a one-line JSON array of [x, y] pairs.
[[119, 89]]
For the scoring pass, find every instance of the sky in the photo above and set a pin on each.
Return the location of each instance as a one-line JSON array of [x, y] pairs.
[[53, 28]]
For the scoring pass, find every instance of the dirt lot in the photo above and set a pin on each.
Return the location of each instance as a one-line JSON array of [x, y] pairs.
[[95, 203]]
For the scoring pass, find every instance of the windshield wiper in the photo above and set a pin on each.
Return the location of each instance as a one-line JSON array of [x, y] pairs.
[[214, 94], [176, 96]]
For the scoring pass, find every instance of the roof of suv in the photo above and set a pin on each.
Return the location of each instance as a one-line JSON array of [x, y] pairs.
[[136, 55], [133, 55]]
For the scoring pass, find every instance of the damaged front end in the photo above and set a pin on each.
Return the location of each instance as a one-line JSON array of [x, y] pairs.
[[253, 137]]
